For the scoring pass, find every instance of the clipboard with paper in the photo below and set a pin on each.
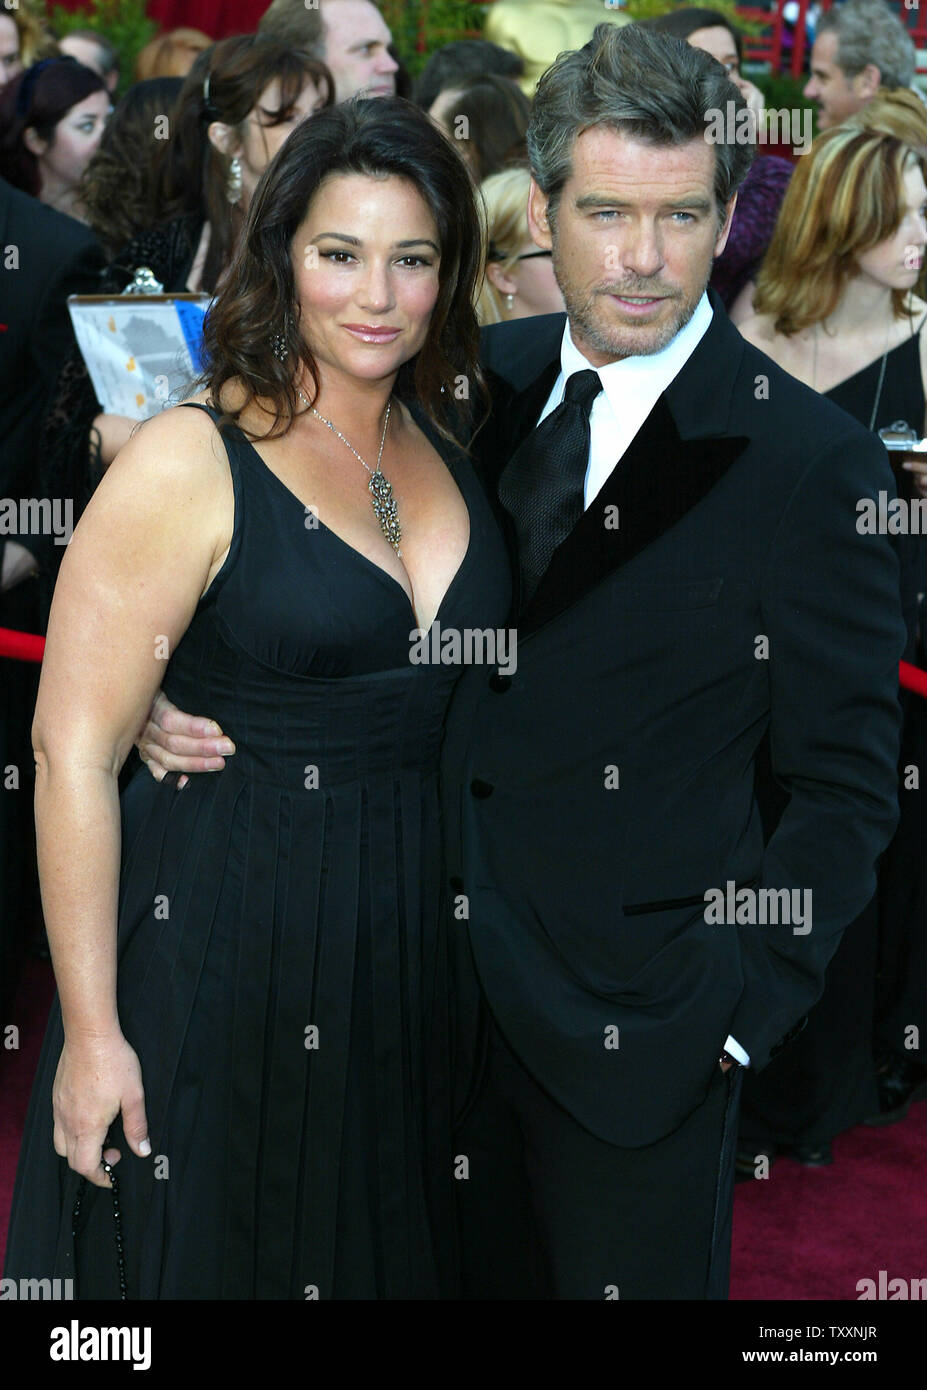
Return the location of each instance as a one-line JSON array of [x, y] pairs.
[[143, 350]]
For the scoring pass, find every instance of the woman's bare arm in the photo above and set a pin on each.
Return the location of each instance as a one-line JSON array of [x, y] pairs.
[[143, 553]]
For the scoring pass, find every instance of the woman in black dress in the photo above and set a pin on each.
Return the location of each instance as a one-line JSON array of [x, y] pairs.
[[251, 970], [836, 307]]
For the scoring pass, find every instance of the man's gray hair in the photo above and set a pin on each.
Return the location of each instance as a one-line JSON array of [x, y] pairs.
[[643, 84], [868, 32], [109, 54], [298, 24], [291, 22]]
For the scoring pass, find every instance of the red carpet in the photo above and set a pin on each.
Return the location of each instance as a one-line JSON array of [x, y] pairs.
[[814, 1233], [799, 1234]]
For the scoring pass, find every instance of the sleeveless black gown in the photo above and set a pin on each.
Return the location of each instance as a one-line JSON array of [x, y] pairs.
[[282, 972], [902, 393], [901, 996], [876, 982]]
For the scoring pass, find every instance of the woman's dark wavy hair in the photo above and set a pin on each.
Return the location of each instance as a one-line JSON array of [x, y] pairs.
[[497, 114], [375, 137], [685, 22], [116, 188], [192, 174], [40, 97]]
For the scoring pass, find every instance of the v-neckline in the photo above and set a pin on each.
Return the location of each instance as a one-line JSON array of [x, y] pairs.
[[390, 579], [867, 367]]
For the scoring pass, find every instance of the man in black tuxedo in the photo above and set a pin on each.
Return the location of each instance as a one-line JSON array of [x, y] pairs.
[[44, 257], [691, 575], [683, 521]]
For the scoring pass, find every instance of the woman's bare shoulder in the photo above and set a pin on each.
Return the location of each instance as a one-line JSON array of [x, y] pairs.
[[196, 424], [230, 396], [251, 413], [203, 397], [759, 330], [178, 447]]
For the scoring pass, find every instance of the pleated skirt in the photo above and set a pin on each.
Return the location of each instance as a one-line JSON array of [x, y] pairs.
[[283, 978]]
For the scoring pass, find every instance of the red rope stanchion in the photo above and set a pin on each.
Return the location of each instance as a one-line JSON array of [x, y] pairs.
[[912, 678], [28, 646], [21, 646]]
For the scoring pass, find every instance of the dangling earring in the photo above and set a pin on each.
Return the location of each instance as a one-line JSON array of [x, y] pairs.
[[510, 302], [278, 343], [233, 181]]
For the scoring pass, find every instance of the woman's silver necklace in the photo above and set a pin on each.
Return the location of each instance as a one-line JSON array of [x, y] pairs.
[[381, 489]]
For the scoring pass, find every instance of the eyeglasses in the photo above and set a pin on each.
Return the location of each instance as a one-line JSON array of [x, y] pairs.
[[530, 255]]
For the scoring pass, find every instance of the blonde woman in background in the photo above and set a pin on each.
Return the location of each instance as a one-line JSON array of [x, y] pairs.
[[24, 37], [10, 61], [835, 302], [900, 113], [171, 54], [519, 280]]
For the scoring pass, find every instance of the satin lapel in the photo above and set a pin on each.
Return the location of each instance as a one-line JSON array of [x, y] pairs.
[[658, 480], [520, 350], [514, 417], [527, 406]]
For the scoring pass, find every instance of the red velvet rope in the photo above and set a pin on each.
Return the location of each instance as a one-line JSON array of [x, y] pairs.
[[21, 646], [26, 646], [913, 678]]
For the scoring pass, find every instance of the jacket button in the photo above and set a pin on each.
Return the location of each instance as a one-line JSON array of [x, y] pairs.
[[456, 884], [499, 683], [481, 789]]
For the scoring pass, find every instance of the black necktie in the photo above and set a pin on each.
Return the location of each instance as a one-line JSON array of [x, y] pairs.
[[541, 487]]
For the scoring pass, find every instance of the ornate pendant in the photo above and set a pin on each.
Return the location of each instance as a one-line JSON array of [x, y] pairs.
[[385, 509]]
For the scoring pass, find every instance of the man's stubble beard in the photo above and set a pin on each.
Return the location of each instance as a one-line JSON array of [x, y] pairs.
[[621, 340]]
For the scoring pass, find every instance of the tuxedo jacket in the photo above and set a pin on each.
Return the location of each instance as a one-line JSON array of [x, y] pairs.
[[44, 257], [715, 590]]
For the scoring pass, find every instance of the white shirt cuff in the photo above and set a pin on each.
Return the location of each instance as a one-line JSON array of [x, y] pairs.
[[737, 1052]]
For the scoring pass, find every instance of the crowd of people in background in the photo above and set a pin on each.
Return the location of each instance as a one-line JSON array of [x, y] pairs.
[[823, 271]]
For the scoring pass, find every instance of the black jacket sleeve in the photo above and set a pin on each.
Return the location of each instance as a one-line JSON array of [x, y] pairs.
[[832, 614]]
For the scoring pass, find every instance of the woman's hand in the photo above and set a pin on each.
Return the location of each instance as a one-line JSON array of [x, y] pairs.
[[97, 1078], [918, 468], [172, 741]]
